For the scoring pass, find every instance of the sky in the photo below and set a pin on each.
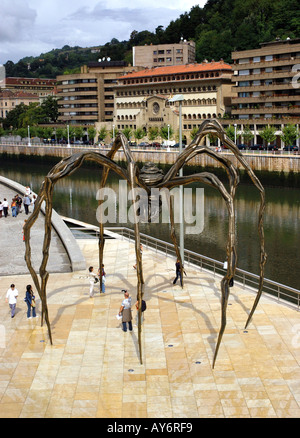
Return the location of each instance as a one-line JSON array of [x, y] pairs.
[[32, 27]]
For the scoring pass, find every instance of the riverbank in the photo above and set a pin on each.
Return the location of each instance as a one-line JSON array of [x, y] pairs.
[[273, 170]]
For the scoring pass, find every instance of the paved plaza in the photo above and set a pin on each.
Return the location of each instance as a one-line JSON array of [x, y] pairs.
[[93, 368]]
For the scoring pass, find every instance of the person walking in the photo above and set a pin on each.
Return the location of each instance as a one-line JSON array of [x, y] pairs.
[[92, 280], [178, 272], [13, 205], [125, 311], [5, 207], [26, 202], [11, 298], [30, 301]]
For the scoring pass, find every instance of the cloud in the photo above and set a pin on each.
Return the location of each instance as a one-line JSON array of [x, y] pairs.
[[16, 20], [32, 27]]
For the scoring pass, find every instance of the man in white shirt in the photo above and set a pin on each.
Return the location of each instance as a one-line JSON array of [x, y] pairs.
[[5, 207], [11, 298]]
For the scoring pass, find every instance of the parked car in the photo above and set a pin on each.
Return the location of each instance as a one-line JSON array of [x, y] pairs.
[[256, 147], [176, 145], [290, 148], [242, 146], [156, 144], [143, 144], [271, 147]]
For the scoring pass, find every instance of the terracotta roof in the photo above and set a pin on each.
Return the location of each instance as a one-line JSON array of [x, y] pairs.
[[33, 81], [179, 69], [17, 95]]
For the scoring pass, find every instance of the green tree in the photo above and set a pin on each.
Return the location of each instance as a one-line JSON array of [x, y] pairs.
[[139, 133], [50, 108], [91, 133], [166, 133], [153, 133], [230, 132], [289, 134], [268, 134], [79, 131], [127, 132], [102, 134], [247, 134]]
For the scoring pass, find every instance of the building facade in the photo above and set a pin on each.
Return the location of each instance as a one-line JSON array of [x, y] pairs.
[[88, 97], [10, 99], [265, 86], [142, 98], [164, 54], [38, 86]]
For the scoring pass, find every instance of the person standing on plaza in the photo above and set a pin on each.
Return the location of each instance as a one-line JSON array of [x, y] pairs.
[[5, 207], [26, 202], [11, 298], [30, 301], [1, 209], [125, 311], [92, 280], [178, 272], [103, 274], [13, 205], [19, 203]]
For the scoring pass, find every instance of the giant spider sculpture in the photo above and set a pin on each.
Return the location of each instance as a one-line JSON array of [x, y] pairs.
[[148, 180]]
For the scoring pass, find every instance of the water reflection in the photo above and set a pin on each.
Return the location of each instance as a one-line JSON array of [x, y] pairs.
[[75, 197]]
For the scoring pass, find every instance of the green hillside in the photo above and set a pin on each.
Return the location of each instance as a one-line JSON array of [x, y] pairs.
[[218, 28]]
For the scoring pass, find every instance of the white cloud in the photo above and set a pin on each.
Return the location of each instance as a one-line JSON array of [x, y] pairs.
[[32, 27]]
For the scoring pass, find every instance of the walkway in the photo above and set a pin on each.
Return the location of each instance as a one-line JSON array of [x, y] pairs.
[[12, 251], [93, 369]]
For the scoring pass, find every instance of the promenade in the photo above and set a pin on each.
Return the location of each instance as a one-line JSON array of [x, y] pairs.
[[93, 368]]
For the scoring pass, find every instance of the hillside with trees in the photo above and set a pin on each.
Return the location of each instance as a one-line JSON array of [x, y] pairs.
[[218, 28]]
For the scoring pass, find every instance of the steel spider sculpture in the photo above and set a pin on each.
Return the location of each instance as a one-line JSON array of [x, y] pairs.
[[147, 181]]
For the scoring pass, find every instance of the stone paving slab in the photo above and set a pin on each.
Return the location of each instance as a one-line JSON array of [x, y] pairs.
[[93, 369]]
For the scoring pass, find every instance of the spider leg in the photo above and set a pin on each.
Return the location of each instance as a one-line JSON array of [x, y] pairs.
[[139, 267]]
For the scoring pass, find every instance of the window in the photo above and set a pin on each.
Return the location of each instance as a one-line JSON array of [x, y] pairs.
[[244, 72], [243, 60], [256, 71], [269, 58], [256, 59]]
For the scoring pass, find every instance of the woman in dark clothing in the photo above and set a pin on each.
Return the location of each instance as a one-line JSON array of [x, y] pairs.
[[30, 301]]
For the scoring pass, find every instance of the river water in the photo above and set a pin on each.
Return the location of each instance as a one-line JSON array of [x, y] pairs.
[[75, 197]]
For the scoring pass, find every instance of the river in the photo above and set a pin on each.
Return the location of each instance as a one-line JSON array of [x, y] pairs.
[[75, 197]]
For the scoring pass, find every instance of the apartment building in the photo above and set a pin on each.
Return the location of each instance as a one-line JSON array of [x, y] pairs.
[[88, 97], [10, 99], [164, 54], [38, 86], [142, 97]]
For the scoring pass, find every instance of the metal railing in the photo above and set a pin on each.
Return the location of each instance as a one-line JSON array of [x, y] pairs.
[[278, 291]]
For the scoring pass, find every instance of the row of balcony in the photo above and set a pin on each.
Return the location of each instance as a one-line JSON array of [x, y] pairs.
[[268, 110], [263, 64]]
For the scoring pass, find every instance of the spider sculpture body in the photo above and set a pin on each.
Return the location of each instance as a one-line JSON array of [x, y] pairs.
[[151, 177]]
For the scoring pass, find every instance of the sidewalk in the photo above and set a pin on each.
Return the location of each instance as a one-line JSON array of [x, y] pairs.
[[93, 369]]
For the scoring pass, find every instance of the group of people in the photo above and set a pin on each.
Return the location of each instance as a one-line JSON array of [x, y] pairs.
[[16, 204], [125, 311], [12, 296]]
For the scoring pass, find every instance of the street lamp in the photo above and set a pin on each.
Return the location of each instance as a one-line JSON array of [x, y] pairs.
[[29, 144], [179, 98], [113, 133], [235, 133], [168, 149], [68, 130]]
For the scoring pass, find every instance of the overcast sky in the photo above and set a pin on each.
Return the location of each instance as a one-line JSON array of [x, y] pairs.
[[32, 27]]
